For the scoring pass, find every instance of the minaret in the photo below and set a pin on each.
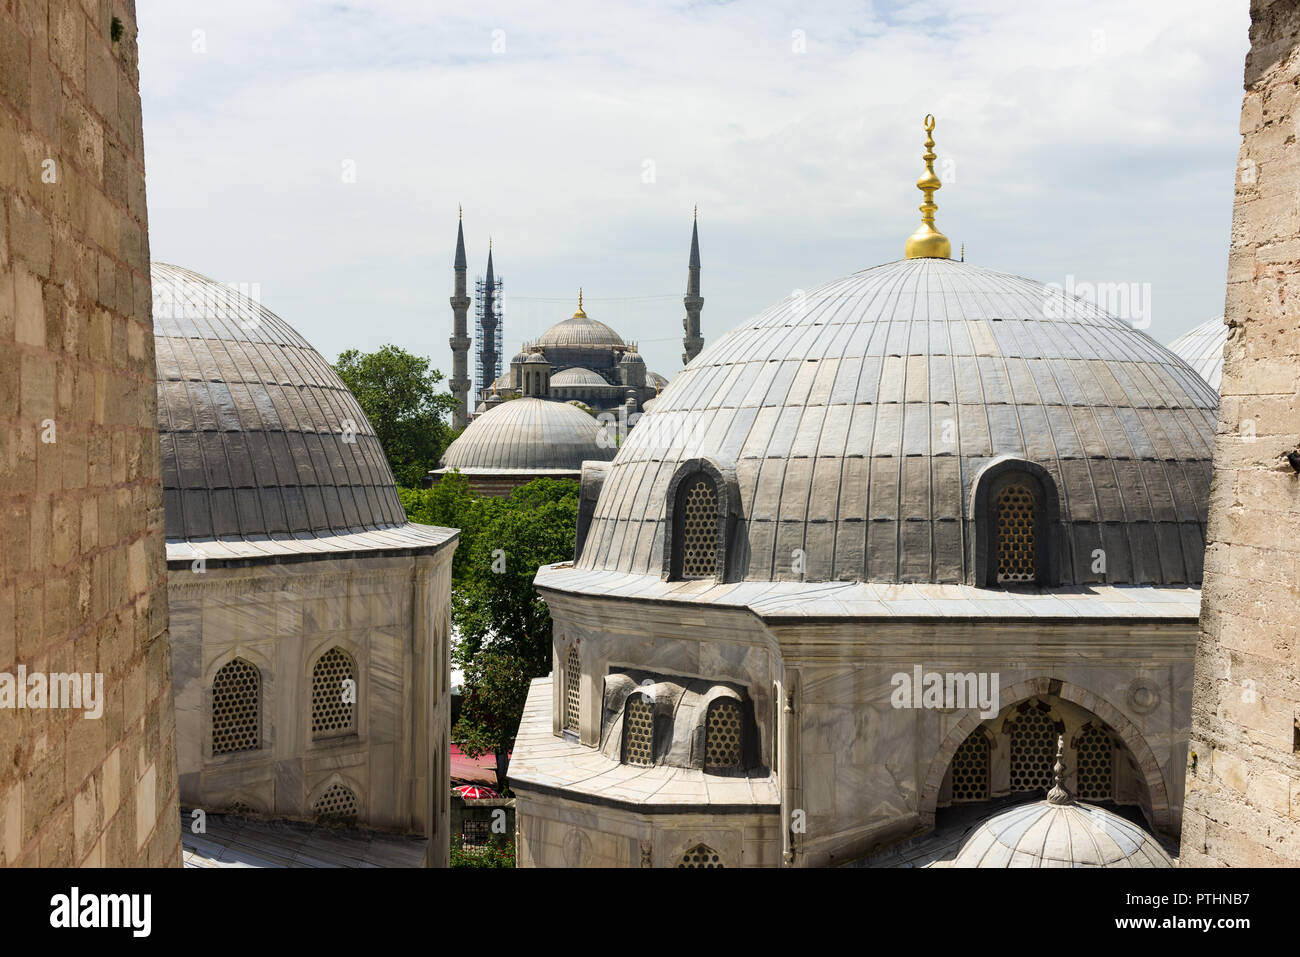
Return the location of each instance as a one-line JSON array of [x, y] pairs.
[[489, 329], [460, 335], [693, 341]]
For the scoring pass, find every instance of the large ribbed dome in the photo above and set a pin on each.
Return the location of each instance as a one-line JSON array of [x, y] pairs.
[[858, 416], [578, 333], [259, 436], [528, 435], [1202, 349]]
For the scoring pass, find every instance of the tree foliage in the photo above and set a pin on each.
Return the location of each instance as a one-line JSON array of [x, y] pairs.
[[504, 626], [399, 394]]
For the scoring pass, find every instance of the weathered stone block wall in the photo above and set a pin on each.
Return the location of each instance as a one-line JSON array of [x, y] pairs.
[[81, 520], [1243, 782]]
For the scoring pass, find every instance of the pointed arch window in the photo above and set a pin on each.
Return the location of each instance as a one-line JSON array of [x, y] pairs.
[[572, 690], [638, 731], [970, 768], [1033, 749], [236, 708], [701, 855], [1095, 755], [333, 694], [337, 805], [722, 736]]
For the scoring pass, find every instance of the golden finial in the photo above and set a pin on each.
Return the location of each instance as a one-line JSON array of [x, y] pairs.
[[579, 314], [696, 214], [460, 212], [927, 242]]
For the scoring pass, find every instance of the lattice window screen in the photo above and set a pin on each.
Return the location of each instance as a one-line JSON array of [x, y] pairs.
[[338, 805], [331, 713], [1033, 751], [236, 708], [722, 736], [1096, 756], [970, 768], [701, 855], [1016, 535], [572, 690], [700, 530], [638, 732]]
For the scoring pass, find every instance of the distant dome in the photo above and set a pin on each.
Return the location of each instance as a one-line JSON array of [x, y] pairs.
[[858, 418], [528, 434], [632, 358], [577, 377], [1202, 349], [656, 380], [536, 359], [579, 333], [1041, 834], [259, 437]]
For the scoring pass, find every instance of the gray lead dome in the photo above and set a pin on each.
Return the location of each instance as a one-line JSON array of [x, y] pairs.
[[259, 436], [858, 417]]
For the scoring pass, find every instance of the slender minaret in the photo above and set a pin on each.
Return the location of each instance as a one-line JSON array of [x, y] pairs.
[[460, 335], [693, 341], [489, 330]]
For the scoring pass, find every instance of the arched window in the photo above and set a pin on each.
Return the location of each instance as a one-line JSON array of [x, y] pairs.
[[701, 855], [1095, 753], [970, 768], [236, 708], [1033, 749], [337, 805], [698, 528], [333, 694], [638, 731], [572, 690], [1015, 526], [722, 744]]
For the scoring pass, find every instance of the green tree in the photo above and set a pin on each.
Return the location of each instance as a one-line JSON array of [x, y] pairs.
[[504, 626], [399, 394]]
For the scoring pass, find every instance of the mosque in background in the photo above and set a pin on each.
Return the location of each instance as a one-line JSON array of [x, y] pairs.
[[568, 397], [926, 468]]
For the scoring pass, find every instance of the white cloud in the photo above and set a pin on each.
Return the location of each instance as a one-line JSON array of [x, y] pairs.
[[1097, 139]]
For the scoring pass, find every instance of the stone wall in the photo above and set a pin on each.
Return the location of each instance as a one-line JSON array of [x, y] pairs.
[[81, 519], [1243, 782]]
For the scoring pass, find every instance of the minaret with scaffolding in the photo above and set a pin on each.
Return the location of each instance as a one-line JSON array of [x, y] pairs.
[[487, 365]]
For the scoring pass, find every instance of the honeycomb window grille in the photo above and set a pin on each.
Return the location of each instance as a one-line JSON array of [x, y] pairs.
[[1015, 522], [333, 700], [699, 529], [236, 708], [1033, 751], [638, 732], [722, 731], [701, 855], [970, 768], [1095, 754], [572, 690], [337, 805]]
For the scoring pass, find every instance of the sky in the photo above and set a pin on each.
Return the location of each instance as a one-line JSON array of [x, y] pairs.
[[316, 153]]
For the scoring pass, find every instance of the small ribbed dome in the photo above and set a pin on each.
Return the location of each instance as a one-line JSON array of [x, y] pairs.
[[1042, 834], [858, 418], [578, 333], [656, 380], [528, 434], [577, 376], [536, 359], [632, 358], [259, 437], [1202, 349]]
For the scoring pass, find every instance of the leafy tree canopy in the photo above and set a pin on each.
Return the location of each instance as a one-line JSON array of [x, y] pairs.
[[399, 394]]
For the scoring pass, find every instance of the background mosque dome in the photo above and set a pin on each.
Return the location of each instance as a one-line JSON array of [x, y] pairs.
[[260, 439], [1202, 349], [577, 376], [537, 359], [579, 332], [857, 419], [530, 435], [1043, 834]]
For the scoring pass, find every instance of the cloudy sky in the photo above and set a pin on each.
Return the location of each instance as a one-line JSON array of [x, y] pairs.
[[320, 150]]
